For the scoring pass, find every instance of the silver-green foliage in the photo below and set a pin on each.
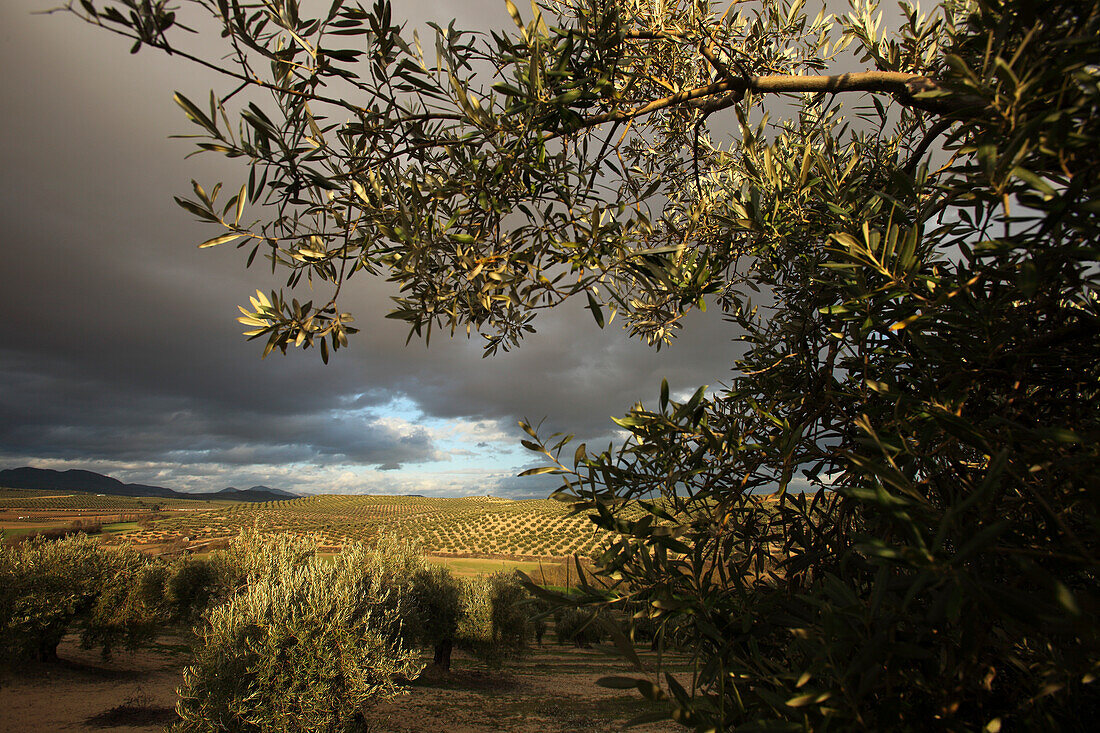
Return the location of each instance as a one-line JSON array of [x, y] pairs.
[[495, 622], [304, 647], [51, 587]]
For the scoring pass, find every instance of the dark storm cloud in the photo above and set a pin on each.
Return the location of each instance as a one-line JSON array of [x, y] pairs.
[[577, 375], [118, 340], [57, 413]]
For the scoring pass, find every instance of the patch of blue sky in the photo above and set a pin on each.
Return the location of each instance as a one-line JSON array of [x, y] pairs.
[[462, 443]]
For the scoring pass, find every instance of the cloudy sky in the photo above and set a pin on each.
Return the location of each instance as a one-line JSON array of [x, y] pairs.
[[120, 352]]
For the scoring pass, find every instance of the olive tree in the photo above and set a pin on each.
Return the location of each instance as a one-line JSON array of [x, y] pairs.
[[495, 622], [437, 598], [306, 645], [49, 588], [425, 598], [888, 519]]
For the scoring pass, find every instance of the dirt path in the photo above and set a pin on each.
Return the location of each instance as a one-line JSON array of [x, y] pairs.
[[550, 690], [133, 692]]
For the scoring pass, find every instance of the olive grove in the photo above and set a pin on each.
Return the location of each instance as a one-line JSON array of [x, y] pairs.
[[887, 521]]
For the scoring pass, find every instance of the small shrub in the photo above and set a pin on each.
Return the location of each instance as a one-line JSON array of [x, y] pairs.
[[495, 625], [645, 629], [121, 615], [510, 611], [189, 587], [578, 626], [437, 598], [538, 610], [475, 628], [152, 586]]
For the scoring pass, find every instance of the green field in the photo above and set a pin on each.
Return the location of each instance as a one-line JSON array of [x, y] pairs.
[[9, 532], [467, 566], [121, 527]]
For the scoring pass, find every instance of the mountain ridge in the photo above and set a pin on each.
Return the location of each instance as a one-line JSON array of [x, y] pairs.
[[75, 479]]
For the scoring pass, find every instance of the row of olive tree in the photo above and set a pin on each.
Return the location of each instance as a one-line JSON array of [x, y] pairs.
[[283, 638], [49, 588]]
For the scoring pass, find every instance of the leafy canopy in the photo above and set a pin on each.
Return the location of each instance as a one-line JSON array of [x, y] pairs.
[[491, 176]]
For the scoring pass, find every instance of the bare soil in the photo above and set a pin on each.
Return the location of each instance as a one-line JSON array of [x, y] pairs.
[[132, 691], [550, 690]]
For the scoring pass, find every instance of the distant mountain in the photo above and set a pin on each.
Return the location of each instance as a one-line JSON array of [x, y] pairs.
[[263, 489], [89, 481], [255, 493], [280, 492], [76, 480]]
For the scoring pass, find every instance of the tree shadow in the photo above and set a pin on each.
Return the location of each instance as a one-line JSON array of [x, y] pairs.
[[128, 714], [464, 679]]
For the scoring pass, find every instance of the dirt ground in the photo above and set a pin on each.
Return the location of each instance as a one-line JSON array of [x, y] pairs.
[[133, 692], [550, 690]]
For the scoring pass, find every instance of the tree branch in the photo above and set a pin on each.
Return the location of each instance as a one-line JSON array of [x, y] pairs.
[[902, 86]]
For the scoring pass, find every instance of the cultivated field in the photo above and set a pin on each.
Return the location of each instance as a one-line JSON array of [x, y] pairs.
[[550, 688], [23, 511], [481, 526]]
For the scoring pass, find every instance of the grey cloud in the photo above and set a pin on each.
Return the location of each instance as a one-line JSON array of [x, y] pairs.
[[525, 487], [53, 413]]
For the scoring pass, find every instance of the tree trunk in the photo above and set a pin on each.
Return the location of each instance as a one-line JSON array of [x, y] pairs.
[[443, 654], [47, 649]]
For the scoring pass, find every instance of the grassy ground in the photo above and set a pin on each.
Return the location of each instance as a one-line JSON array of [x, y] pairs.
[[469, 566], [121, 527]]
